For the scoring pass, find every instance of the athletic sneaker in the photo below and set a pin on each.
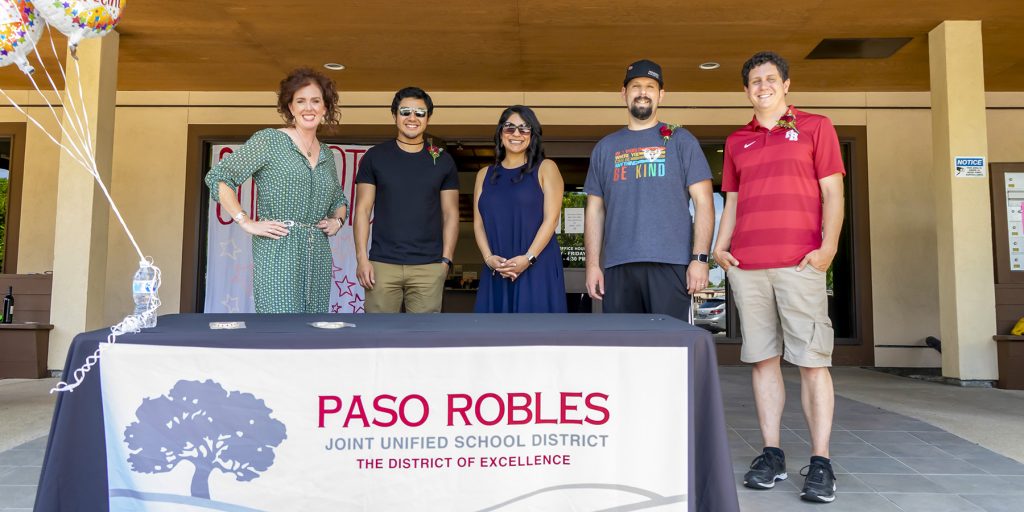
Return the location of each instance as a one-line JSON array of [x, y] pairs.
[[766, 469], [820, 484]]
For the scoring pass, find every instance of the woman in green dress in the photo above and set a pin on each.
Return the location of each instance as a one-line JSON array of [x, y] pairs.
[[299, 201]]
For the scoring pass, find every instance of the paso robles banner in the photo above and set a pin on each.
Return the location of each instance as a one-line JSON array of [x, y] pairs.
[[229, 249], [452, 429]]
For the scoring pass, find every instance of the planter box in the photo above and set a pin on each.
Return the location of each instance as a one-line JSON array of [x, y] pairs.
[[23, 350], [31, 296], [1010, 353], [24, 345]]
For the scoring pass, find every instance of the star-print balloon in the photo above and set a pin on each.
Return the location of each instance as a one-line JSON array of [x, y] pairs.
[[81, 19], [20, 28]]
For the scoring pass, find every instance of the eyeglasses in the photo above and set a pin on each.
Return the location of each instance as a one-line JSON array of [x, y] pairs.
[[510, 128], [408, 111]]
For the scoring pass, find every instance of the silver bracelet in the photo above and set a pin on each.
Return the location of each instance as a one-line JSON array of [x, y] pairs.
[[240, 217]]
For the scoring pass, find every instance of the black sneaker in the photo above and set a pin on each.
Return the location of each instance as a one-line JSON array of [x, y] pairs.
[[766, 469], [820, 485]]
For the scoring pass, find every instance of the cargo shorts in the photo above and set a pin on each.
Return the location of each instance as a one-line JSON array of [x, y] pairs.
[[783, 312]]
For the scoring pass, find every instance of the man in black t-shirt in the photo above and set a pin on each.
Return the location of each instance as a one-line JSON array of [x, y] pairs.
[[412, 188]]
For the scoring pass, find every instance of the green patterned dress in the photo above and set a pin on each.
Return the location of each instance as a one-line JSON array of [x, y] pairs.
[[292, 274]]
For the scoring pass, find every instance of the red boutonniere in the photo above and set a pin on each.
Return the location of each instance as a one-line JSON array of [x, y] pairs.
[[667, 130], [788, 120], [434, 151]]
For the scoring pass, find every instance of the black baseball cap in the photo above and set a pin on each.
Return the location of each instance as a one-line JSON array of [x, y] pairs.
[[644, 68]]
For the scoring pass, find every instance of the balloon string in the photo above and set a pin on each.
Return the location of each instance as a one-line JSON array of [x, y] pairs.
[[131, 324], [84, 136], [56, 117], [67, 136], [89, 164], [86, 141], [81, 97], [117, 212], [44, 130], [75, 125], [77, 141], [81, 100]]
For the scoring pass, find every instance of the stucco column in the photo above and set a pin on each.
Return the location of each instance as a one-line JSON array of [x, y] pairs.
[[966, 284], [80, 236]]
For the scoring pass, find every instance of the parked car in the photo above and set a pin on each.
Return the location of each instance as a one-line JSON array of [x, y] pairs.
[[711, 315]]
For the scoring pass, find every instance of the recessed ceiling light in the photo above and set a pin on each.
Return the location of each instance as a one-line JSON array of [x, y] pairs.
[[334, 66], [707, 66]]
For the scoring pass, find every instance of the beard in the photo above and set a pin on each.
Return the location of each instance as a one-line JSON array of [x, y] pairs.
[[641, 112]]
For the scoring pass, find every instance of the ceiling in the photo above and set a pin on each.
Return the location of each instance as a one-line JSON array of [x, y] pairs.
[[536, 45]]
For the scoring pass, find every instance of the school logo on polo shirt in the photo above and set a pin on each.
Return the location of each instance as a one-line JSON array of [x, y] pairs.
[[792, 135]]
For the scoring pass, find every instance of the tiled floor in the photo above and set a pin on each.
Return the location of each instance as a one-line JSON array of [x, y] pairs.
[[19, 474], [884, 462]]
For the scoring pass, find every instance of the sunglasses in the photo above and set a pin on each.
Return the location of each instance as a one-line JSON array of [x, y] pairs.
[[408, 111], [510, 128]]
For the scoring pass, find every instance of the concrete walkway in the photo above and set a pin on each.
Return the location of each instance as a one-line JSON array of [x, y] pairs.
[[886, 461], [993, 418], [25, 411]]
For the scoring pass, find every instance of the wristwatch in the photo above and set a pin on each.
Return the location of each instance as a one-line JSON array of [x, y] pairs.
[[531, 258], [701, 257], [446, 261]]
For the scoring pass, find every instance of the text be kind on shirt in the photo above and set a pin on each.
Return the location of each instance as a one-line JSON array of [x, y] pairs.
[[647, 162]]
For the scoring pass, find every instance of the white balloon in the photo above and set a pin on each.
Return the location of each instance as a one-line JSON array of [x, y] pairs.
[[20, 29], [82, 19]]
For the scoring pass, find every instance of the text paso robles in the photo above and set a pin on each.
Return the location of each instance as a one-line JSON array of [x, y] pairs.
[[462, 409]]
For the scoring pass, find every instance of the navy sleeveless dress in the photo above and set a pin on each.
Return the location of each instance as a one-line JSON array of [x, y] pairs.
[[512, 213]]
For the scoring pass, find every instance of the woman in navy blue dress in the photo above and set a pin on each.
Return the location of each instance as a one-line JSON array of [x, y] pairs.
[[517, 204]]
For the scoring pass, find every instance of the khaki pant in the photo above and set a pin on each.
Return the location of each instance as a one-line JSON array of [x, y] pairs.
[[419, 286], [783, 312]]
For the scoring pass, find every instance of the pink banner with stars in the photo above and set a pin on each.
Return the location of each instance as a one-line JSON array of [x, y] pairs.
[[229, 249]]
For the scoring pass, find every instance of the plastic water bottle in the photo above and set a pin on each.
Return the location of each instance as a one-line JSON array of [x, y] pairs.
[[144, 287]]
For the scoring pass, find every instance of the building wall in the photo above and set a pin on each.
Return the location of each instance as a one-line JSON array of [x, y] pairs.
[[904, 261], [1006, 127], [39, 183], [149, 178], [149, 189]]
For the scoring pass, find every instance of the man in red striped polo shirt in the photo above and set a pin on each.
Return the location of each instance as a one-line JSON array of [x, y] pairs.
[[783, 179]]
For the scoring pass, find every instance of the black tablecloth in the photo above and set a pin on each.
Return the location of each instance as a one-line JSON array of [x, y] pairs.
[[74, 473]]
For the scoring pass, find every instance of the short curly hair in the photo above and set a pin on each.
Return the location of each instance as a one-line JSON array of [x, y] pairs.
[[760, 58], [300, 78]]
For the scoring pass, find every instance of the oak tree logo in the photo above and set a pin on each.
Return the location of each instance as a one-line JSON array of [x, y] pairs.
[[207, 426]]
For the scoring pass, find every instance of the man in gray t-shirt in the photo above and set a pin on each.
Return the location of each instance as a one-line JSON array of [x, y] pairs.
[[639, 186]]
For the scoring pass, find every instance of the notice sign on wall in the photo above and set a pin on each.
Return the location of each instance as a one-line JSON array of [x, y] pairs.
[[570, 232], [969, 167], [460, 428]]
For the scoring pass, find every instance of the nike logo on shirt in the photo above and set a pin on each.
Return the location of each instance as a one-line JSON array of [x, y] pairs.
[[751, 143]]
